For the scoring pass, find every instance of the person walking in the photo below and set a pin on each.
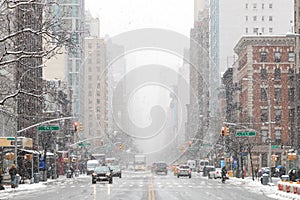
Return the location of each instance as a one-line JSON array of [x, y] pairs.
[[13, 172]]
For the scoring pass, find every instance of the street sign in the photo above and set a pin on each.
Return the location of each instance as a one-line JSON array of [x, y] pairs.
[[246, 134], [48, 128], [81, 144], [274, 146]]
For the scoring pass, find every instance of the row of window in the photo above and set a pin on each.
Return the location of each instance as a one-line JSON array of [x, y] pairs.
[[256, 6], [256, 30], [255, 18], [277, 56]]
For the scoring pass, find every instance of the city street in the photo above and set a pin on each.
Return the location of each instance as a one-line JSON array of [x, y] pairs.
[[142, 186]]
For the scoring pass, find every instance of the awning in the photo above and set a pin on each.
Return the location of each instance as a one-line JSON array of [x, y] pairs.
[[30, 151]]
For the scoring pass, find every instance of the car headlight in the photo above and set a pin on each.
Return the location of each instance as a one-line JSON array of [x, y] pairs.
[[94, 174], [108, 174]]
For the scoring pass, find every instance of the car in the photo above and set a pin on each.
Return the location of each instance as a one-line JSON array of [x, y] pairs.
[[102, 173], [184, 170], [161, 167], [116, 171], [207, 169], [216, 174], [153, 167]]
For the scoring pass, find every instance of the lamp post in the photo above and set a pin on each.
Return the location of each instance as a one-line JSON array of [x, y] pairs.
[[269, 125]]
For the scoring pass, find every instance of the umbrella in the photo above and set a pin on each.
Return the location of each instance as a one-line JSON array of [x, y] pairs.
[[279, 166]]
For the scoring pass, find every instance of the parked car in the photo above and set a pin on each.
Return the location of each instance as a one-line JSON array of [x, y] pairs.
[[116, 171], [207, 169], [216, 173], [184, 170], [161, 167], [102, 173]]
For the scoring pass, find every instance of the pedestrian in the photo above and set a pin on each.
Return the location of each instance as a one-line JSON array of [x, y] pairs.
[[13, 172], [256, 173]]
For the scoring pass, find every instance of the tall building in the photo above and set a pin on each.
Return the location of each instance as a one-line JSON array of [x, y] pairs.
[[198, 108], [296, 121], [264, 72], [72, 14], [250, 17], [95, 124]]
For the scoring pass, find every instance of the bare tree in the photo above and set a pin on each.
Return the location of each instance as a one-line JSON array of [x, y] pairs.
[[31, 32]]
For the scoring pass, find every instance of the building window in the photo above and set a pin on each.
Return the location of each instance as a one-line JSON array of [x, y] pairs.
[[263, 6], [263, 73], [270, 30], [246, 6], [270, 6], [277, 74], [263, 56], [254, 18], [264, 135], [264, 115], [246, 30], [246, 18], [263, 92], [291, 56], [277, 94], [291, 75], [254, 6], [277, 136], [277, 115], [255, 30], [291, 94], [262, 29], [270, 18], [262, 18], [277, 56]]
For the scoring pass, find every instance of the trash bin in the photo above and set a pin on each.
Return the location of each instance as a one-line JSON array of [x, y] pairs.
[[18, 178], [265, 179], [69, 174], [36, 177], [77, 172]]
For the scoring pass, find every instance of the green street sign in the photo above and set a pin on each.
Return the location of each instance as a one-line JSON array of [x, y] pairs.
[[206, 145], [48, 128], [274, 146], [246, 134], [10, 138], [81, 144]]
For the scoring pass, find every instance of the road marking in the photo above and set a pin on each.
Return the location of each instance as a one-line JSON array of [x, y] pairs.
[[95, 193], [108, 189], [150, 188]]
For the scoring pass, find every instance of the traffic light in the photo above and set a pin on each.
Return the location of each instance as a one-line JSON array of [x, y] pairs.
[[80, 127], [76, 124], [225, 131], [121, 147]]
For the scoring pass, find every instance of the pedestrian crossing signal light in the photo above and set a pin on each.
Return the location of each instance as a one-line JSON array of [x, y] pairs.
[[121, 147], [225, 131]]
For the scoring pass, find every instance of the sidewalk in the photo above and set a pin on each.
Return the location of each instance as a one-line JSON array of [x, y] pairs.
[[270, 190]]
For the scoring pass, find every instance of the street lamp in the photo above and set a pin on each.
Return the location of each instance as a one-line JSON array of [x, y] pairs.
[[269, 124]]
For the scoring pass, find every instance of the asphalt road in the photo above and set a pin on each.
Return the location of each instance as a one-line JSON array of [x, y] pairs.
[[140, 186]]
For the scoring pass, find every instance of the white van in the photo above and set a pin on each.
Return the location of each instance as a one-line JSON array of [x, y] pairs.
[[192, 164], [91, 165], [201, 165]]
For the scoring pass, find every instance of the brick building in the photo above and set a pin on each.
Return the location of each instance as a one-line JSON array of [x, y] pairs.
[[264, 72]]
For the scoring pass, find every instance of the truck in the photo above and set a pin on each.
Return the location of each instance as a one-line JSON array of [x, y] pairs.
[[139, 163]]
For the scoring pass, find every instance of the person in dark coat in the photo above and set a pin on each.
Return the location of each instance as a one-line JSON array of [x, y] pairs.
[[13, 172]]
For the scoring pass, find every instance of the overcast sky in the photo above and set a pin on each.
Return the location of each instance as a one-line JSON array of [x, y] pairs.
[[117, 16]]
